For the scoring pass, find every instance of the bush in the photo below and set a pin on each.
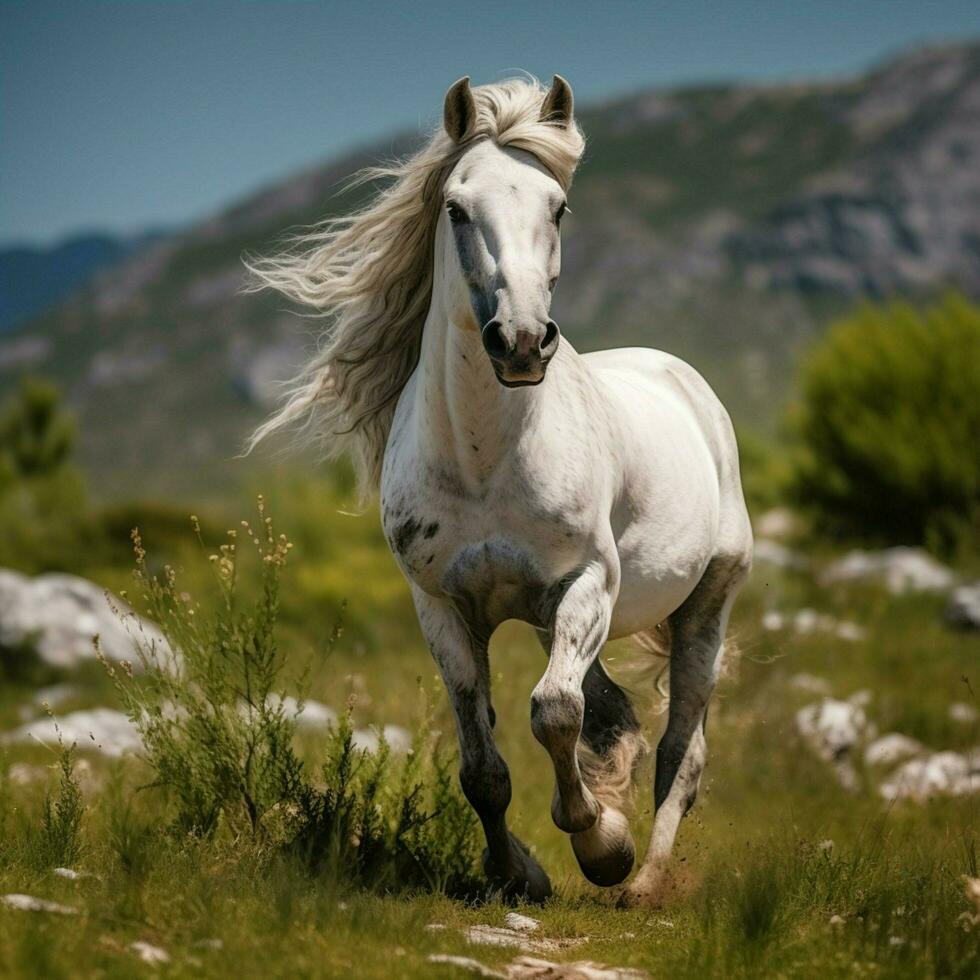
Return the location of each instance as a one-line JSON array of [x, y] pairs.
[[218, 728], [764, 470], [36, 435], [44, 517], [889, 426]]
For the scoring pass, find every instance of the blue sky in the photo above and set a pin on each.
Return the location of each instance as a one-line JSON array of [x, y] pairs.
[[123, 115]]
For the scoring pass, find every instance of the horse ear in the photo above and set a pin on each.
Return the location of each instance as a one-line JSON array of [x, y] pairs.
[[459, 111], [559, 103]]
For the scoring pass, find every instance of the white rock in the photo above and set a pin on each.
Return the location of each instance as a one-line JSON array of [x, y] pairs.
[[365, 740], [399, 739], [28, 903], [850, 632], [369, 740], [810, 683], [890, 749], [23, 774], [487, 935], [773, 553], [54, 695], [963, 713], [963, 608], [773, 621], [60, 614], [149, 953], [102, 729], [70, 873], [809, 620], [531, 968], [940, 774], [901, 569], [484, 935], [776, 523], [847, 775], [312, 714], [832, 728], [522, 923], [806, 621], [316, 714], [465, 963]]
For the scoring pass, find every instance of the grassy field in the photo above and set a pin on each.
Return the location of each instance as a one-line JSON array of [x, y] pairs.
[[779, 870]]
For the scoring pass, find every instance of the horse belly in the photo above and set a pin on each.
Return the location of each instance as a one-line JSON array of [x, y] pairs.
[[665, 544], [649, 593]]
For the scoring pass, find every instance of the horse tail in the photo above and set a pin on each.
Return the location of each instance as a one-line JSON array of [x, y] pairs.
[[609, 775], [612, 743], [656, 643]]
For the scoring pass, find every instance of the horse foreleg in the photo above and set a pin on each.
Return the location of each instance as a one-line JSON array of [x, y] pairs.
[[697, 636], [600, 833], [484, 777]]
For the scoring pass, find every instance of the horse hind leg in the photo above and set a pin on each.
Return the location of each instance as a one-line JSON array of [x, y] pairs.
[[697, 634]]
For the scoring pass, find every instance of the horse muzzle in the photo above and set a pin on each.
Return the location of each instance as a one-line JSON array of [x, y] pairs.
[[520, 358]]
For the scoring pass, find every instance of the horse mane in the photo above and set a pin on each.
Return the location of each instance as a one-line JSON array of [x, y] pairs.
[[369, 276]]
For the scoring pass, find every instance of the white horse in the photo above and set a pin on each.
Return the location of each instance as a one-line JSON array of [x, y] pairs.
[[593, 496]]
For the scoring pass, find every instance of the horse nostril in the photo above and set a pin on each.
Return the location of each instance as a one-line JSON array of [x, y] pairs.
[[550, 338], [493, 340]]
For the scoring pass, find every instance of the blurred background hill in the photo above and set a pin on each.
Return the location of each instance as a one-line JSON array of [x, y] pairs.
[[727, 223]]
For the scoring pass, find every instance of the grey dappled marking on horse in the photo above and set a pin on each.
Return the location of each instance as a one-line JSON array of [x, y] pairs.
[[593, 496]]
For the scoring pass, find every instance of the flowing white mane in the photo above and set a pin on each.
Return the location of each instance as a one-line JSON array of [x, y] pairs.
[[369, 274]]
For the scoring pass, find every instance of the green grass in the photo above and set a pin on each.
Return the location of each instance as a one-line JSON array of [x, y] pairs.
[[753, 892]]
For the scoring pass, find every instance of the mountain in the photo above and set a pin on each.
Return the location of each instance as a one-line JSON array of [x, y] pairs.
[[725, 223], [32, 279]]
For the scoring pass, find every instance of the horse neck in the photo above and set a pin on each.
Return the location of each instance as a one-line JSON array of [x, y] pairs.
[[466, 418]]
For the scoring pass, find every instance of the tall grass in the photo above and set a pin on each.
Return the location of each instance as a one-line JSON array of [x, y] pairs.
[[213, 707]]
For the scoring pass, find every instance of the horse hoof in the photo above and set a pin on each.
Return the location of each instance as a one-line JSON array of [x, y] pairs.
[[523, 879], [642, 895], [605, 851]]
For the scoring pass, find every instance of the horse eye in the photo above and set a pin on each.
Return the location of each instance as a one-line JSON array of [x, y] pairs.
[[562, 208], [456, 214]]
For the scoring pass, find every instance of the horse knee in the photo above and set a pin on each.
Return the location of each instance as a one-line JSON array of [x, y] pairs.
[[486, 786], [556, 715]]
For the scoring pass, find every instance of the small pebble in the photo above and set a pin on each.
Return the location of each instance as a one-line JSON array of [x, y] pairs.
[[149, 953], [28, 903], [522, 923]]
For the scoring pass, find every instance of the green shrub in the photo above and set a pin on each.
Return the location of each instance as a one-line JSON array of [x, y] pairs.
[[211, 706], [36, 434], [45, 521], [889, 425], [764, 470]]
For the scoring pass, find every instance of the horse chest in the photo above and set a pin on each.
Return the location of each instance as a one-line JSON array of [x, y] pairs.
[[495, 553]]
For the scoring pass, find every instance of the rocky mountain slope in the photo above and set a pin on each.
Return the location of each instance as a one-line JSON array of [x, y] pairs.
[[726, 224], [32, 279]]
